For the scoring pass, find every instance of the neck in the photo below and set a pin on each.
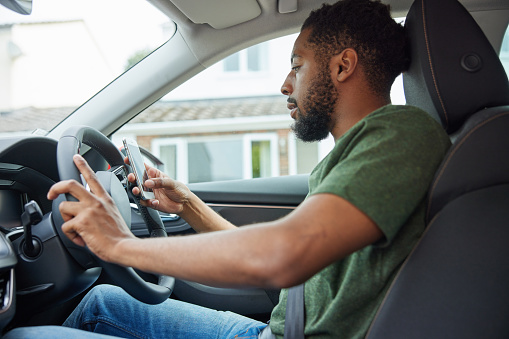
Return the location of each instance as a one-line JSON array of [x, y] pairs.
[[349, 113]]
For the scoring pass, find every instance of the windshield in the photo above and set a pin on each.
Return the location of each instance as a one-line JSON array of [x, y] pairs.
[[65, 52]]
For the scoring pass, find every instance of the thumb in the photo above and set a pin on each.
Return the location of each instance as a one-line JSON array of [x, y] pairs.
[[166, 183]]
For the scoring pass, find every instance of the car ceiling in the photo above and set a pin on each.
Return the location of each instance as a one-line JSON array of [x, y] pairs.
[[244, 31]]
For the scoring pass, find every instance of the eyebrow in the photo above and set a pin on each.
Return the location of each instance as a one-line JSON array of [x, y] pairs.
[[294, 56]]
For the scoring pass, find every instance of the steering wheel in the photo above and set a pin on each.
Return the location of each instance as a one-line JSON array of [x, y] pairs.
[[125, 277]]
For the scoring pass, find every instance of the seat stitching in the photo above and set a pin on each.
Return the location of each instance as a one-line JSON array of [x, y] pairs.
[[431, 64], [453, 151]]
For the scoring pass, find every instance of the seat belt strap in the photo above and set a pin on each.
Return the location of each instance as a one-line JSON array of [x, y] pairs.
[[294, 318]]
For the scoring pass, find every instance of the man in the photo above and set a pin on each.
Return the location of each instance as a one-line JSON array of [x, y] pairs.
[[363, 215]]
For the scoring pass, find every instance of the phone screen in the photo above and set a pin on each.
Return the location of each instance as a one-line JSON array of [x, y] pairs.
[[138, 167]]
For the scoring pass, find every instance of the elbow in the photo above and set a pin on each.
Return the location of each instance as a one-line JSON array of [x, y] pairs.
[[281, 262], [283, 273], [286, 281]]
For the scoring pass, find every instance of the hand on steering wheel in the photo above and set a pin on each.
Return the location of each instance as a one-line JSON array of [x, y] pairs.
[[100, 218], [94, 220]]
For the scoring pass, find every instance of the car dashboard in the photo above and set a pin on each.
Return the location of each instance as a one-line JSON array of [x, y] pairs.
[[28, 168], [27, 171]]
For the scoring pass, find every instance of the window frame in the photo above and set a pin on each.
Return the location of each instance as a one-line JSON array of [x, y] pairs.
[[243, 62], [182, 155]]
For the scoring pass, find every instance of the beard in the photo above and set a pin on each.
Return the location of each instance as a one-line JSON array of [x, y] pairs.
[[318, 104]]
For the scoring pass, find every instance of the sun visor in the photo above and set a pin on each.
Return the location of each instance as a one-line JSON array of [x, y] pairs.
[[219, 13]]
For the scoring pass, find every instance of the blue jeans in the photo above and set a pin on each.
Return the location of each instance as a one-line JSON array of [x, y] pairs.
[[109, 311]]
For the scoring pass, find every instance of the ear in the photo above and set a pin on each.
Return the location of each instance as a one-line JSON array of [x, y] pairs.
[[344, 64]]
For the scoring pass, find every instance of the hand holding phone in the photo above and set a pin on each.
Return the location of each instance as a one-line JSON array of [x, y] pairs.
[[138, 167]]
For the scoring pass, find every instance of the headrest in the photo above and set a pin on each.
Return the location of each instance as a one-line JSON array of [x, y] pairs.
[[454, 70]]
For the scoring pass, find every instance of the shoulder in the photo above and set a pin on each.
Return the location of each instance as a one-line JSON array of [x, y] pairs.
[[406, 116], [407, 126]]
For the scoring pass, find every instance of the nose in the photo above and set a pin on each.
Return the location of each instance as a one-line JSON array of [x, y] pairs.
[[287, 87]]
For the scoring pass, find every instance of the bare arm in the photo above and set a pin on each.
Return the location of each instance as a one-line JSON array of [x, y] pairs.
[[283, 253], [278, 254]]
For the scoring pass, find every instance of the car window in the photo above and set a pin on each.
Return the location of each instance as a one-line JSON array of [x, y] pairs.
[[504, 51], [231, 121], [63, 53]]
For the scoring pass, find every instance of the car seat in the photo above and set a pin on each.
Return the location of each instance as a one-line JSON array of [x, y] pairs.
[[455, 283]]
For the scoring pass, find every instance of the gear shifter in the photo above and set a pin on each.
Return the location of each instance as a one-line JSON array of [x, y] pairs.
[[31, 216]]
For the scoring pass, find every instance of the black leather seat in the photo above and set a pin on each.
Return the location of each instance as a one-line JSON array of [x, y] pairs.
[[455, 284]]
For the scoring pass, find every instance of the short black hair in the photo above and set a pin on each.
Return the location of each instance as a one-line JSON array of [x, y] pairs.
[[368, 28]]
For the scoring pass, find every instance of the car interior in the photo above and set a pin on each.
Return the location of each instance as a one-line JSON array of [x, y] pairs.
[[453, 285]]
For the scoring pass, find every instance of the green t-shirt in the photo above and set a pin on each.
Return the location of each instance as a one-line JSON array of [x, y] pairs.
[[383, 165]]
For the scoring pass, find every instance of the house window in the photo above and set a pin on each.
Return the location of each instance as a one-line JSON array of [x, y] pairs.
[[219, 158], [260, 159], [307, 156], [303, 156], [214, 160], [232, 63], [168, 156], [252, 59]]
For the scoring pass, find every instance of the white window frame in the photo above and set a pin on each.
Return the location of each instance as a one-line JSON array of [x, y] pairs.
[[246, 139], [274, 153], [181, 145]]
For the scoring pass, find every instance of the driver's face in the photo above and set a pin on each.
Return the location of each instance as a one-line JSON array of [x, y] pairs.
[[311, 94]]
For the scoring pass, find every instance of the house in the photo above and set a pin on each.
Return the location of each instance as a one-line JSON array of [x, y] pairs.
[[230, 120]]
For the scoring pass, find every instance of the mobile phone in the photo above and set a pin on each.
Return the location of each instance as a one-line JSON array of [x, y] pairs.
[[138, 167]]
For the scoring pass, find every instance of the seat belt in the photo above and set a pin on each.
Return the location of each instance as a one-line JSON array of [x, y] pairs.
[[294, 318]]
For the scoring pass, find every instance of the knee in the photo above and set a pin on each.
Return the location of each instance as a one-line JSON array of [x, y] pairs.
[[104, 296], [101, 301], [104, 291]]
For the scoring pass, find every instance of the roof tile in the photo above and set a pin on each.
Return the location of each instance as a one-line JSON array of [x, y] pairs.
[[31, 118]]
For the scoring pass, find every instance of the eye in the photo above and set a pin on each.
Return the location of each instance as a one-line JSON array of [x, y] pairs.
[[295, 68]]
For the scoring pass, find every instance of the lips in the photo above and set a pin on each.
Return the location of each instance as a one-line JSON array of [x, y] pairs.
[[293, 109]]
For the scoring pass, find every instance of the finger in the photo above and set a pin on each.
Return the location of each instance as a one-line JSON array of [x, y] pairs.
[[152, 203], [66, 216], [69, 209], [89, 175], [72, 187], [70, 230], [147, 202], [144, 203], [149, 183], [153, 172], [126, 161], [167, 183], [131, 178]]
